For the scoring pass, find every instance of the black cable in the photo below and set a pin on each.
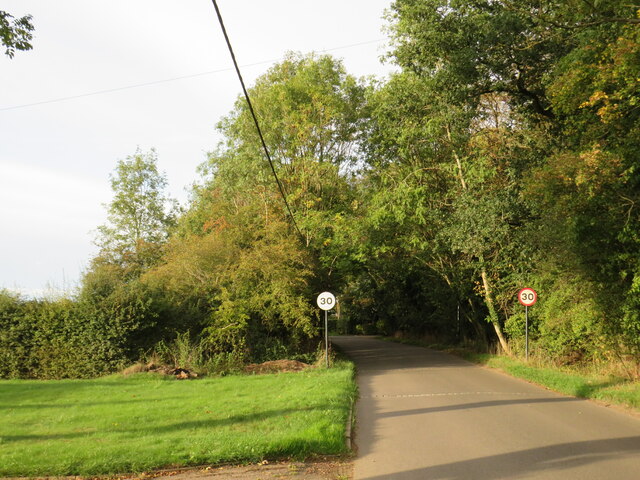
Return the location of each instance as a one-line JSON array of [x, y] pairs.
[[168, 80], [255, 119]]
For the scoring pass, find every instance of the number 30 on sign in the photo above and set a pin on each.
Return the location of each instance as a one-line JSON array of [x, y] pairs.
[[326, 301], [527, 297]]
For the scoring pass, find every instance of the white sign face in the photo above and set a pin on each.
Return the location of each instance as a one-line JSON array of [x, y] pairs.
[[326, 301], [527, 296]]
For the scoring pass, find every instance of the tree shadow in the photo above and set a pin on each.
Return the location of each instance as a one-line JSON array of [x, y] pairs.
[[550, 461], [154, 430], [588, 390], [553, 461], [65, 406], [370, 358], [469, 406]]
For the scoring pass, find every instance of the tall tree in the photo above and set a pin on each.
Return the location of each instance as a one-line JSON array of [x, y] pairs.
[[566, 80], [246, 278], [311, 113], [140, 214]]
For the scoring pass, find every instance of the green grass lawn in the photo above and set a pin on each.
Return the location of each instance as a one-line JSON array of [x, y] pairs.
[[132, 424]]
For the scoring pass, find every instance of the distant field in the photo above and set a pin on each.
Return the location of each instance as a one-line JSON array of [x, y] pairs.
[[138, 423]]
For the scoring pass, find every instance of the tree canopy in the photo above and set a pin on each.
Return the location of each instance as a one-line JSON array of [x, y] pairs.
[[503, 154]]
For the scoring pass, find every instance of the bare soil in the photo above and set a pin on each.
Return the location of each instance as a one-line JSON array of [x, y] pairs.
[[276, 366], [313, 470]]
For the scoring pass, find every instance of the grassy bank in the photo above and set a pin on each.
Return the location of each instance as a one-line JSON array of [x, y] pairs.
[[607, 389], [603, 388], [138, 423]]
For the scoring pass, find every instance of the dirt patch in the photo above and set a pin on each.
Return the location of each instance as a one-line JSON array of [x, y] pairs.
[[317, 470], [276, 366], [179, 373]]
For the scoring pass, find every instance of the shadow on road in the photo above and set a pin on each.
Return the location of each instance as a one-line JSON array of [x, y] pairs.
[[526, 462], [366, 352], [398, 382], [469, 406]]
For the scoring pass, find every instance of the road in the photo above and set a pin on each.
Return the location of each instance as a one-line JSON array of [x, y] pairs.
[[427, 415]]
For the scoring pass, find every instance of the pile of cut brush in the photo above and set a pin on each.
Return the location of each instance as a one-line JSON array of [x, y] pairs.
[[178, 372], [276, 366]]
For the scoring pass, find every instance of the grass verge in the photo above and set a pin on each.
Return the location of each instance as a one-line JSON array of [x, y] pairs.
[[607, 389], [122, 424]]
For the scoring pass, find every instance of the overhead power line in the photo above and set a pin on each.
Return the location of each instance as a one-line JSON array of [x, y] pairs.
[[172, 79], [255, 118]]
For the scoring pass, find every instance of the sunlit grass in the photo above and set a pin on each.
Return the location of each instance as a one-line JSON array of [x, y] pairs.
[[604, 388], [132, 424]]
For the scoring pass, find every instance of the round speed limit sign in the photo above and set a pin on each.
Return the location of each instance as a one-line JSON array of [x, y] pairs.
[[527, 297], [326, 301]]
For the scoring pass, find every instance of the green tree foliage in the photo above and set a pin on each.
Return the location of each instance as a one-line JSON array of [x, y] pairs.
[[15, 33], [447, 179], [243, 281], [545, 145], [503, 154], [74, 338], [594, 172], [236, 263], [114, 317], [139, 217]]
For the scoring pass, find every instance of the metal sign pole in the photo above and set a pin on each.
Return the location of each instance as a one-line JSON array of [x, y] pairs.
[[326, 301], [527, 297], [326, 340], [526, 332]]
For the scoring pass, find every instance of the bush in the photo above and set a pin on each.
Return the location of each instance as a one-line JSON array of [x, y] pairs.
[[86, 337], [567, 324]]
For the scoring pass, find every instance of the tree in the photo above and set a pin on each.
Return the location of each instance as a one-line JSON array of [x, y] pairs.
[[311, 113], [139, 215], [446, 175], [15, 33], [564, 78], [235, 263], [503, 46]]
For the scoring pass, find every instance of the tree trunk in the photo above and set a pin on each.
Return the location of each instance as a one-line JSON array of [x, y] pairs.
[[495, 321]]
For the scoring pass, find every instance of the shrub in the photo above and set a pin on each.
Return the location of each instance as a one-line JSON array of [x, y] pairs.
[[85, 337]]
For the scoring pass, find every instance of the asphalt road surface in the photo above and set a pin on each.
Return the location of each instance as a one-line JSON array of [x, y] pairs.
[[427, 415]]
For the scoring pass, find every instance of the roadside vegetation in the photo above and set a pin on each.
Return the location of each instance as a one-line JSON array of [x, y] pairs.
[[503, 153], [148, 421], [609, 383], [581, 383]]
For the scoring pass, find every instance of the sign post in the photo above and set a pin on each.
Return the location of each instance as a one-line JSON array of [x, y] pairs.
[[326, 301], [527, 297]]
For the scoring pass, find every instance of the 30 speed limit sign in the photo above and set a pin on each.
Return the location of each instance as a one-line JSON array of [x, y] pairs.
[[326, 301], [527, 297]]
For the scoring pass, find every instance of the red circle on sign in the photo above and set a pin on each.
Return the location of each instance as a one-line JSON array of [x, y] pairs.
[[527, 297]]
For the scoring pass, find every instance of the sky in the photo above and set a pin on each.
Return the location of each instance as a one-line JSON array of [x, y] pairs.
[[108, 78]]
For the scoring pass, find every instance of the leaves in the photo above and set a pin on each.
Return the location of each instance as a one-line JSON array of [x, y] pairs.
[[139, 216], [15, 33]]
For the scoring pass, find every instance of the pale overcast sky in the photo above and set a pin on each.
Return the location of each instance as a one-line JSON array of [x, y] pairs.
[[93, 90]]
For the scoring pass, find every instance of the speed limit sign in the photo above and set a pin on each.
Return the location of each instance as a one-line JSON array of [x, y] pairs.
[[326, 301], [527, 297]]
